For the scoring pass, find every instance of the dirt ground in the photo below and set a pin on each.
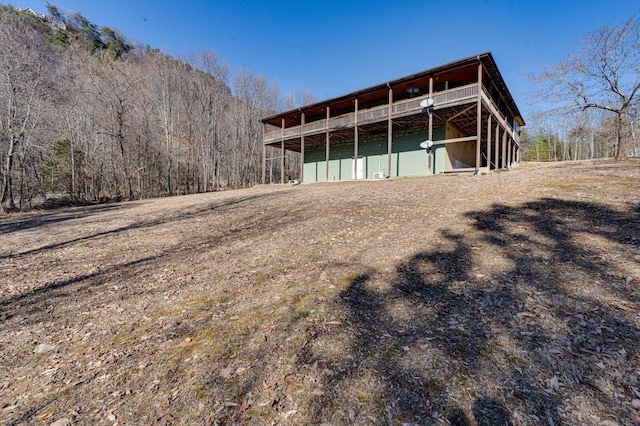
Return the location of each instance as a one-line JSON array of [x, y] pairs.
[[508, 298]]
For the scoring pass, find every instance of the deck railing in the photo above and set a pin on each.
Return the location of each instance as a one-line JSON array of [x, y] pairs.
[[502, 119], [442, 99], [453, 95]]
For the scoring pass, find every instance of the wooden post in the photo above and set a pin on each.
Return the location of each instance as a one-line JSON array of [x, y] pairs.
[[431, 115], [326, 161], [497, 153], [327, 146], [430, 157], [389, 131], [489, 142], [302, 146], [504, 148], [513, 152], [479, 119], [355, 139], [264, 154], [282, 152]]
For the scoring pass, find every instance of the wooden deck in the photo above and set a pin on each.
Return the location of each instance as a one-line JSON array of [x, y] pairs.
[[444, 99]]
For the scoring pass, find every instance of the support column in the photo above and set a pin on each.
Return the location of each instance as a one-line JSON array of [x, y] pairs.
[[326, 142], [510, 142], [431, 115], [479, 119], [504, 148], [264, 154], [282, 152], [489, 142], [496, 166], [282, 162], [389, 132], [355, 139], [431, 157], [302, 146], [513, 152]]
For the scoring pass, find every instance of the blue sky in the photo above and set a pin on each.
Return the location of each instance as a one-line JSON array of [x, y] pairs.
[[334, 47]]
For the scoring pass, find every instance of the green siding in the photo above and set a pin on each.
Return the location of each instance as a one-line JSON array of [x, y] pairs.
[[407, 158], [340, 157], [373, 149], [314, 164], [410, 159]]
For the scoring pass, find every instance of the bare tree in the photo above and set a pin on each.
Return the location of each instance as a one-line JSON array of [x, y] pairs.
[[116, 88], [254, 96], [91, 117], [209, 95], [603, 74], [25, 78]]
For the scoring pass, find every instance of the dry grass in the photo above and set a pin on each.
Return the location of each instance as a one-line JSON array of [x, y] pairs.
[[509, 298]]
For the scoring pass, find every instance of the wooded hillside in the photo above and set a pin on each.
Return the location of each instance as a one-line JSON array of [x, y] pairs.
[[88, 116]]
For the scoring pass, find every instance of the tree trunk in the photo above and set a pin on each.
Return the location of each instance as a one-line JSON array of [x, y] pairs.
[[5, 191], [619, 149]]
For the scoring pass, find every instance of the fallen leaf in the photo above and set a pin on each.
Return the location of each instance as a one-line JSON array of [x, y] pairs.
[[43, 347], [244, 406], [45, 415], [290, 413], [227, 373]]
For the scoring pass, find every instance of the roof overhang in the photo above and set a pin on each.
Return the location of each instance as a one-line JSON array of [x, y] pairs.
[[380, 90]]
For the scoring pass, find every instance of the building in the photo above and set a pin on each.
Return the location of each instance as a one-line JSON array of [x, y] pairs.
[[473, 124]]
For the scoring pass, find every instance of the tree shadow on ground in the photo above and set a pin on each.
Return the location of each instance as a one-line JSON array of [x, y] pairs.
[[24, 303], [67, 300], [43, 218], [528, 319], [51, 219]]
